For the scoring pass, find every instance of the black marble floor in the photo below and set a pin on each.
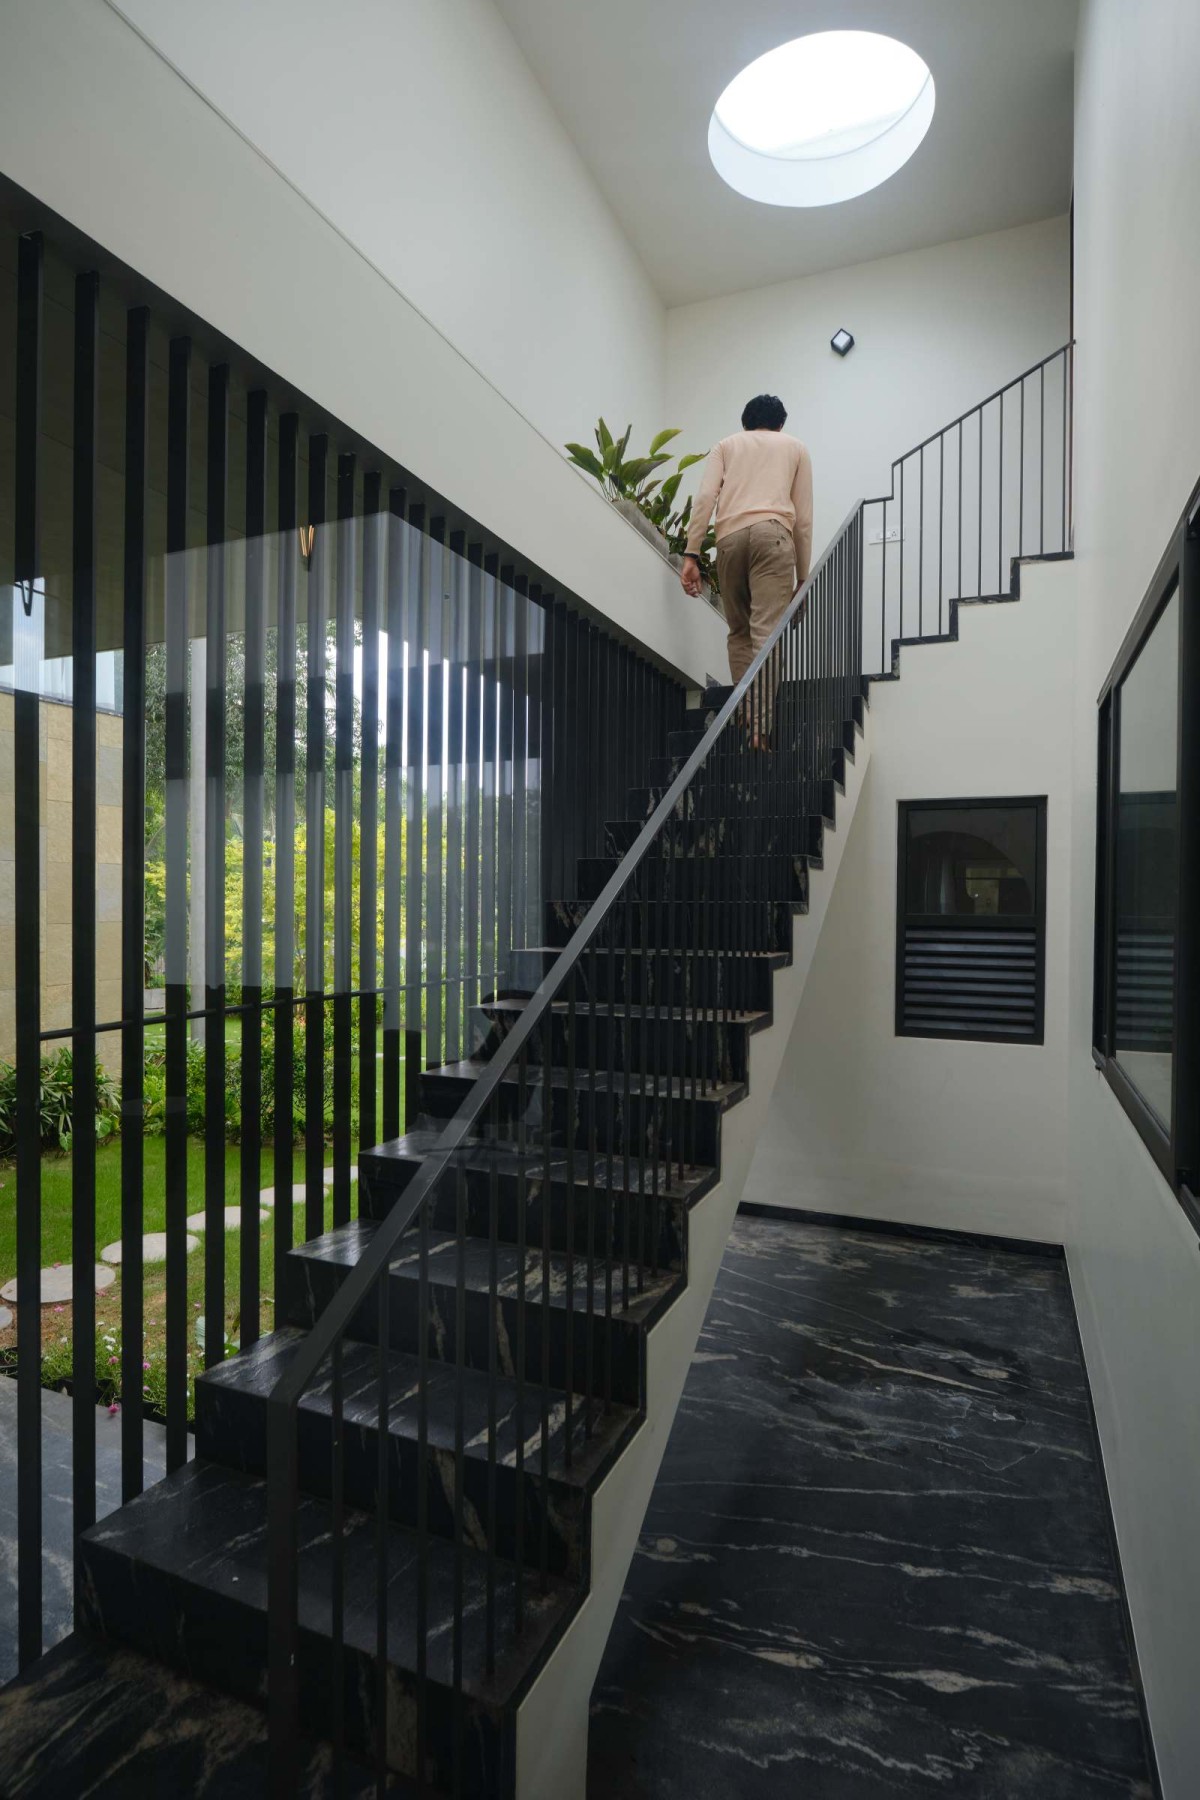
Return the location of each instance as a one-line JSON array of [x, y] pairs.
[[876, 1561]]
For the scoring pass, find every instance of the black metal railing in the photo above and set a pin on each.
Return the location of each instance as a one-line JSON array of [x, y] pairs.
[[966, 504], [319, 747], [596, 1106]]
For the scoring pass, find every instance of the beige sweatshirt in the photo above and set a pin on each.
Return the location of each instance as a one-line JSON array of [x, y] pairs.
[[756, 475]]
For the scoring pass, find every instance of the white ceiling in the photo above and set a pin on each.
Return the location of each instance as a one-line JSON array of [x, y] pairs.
[[635, 81]]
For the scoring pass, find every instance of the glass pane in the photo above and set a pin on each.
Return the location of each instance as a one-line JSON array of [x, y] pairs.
[[978, 861], [1148, 864]]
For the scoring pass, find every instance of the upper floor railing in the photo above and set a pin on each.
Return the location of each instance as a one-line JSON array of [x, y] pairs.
[[966, 504]]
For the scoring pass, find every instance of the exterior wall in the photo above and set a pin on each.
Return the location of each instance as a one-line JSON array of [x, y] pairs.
[[935, 332], [925, 1130], [98, 126], [1134, 1263], [55, 768]]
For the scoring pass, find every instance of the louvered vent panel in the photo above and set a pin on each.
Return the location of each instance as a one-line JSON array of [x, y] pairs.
[[1145, 988], [970, 983]]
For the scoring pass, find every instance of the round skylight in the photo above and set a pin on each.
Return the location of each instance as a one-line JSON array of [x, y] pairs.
[[821, 119]]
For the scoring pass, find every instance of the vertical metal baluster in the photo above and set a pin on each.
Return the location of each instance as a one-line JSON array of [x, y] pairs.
[[253, 828], [572, 1104], [383, 1446], [474, 963], [452, 737], [314, 851], [493, 1150], [547, 1049], [133, 897], [460, 1376], [519, 1357], [1000, 588], [400, 849], [511, 602], [903, 551], [1062, 544], [343, 837], [1042, 460], [368, 820], [883, 558], [27, 872], [979, 512], [593, 1009], [83, 902], [610, 1202], [959, 587], [176, 923], [416, 899], [490, 952], [525, 870], [941, 527], [423, 1479], [214, 866], [337, 1580], [1021, 480], [435, 739], [659, 1020], [921, 550], [286, 658]]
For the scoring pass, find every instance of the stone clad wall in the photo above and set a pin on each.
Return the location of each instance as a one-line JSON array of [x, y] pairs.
[[55, 769]]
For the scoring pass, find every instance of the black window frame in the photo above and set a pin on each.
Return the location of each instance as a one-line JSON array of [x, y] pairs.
[[966, 922], [1176, 1147]]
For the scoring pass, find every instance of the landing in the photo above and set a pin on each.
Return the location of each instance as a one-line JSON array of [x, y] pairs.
[[876, 1561]]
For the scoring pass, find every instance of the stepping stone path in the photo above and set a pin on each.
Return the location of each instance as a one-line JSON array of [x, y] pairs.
[[56, 1284], [5, 1318], [233, 1219], [154, 1248], [267, 1196], [328, 1174]]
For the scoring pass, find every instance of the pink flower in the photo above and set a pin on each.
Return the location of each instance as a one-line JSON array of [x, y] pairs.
[[145, 1365], [114, 1408], [112, 1359], [58, 1309]]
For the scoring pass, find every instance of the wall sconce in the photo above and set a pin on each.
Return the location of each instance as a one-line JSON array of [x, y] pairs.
[[842, 341]]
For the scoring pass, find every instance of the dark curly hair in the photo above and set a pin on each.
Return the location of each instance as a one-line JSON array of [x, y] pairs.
[[764, 413]]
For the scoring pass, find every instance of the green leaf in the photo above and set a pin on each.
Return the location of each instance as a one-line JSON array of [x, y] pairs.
[[685, 462], [670, 488], [603, 436], [642, 466], [586, 459], [664, 437]]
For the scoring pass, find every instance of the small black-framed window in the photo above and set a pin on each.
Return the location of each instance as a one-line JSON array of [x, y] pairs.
[[971, 920], [1146, 996]]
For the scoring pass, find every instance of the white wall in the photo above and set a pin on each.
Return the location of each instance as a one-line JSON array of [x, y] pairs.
[[98, 126], [935, 332], [923, 1130], [1134, 1264], [418, 128]]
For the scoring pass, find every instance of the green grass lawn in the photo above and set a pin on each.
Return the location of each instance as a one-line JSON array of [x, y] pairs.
[[57, 1209]]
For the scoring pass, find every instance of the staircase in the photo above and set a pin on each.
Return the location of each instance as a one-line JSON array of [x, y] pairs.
[[497, 1343]]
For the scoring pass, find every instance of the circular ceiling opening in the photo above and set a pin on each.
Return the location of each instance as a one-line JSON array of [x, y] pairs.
[[821, 119]]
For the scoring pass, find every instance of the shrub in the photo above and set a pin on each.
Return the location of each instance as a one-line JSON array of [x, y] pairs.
[[56, 1100]]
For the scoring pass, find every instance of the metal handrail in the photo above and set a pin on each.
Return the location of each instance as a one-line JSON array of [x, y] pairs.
[[1017, 380]]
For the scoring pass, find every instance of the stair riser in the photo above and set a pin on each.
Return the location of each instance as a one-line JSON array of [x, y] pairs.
[[656, 1046], [741, 984], [222, 1642], [633, 1217], [231, 1426], [781, 877], [648, 1126], [310, 1284], [766, 925]]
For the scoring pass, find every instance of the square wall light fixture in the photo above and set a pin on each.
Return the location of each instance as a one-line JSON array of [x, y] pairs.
[[842, 341]]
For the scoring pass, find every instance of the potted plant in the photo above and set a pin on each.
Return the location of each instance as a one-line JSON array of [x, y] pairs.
[[646, 498]]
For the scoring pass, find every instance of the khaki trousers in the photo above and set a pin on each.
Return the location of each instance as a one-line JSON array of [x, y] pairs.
[[756, 568]]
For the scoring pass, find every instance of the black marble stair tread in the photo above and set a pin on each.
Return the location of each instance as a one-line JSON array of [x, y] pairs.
[[509, 1160], [622, 1009], [204, 1528], [95, 1719], [726, 1093], [345, 1246], [777, 958], [256, 1371]]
